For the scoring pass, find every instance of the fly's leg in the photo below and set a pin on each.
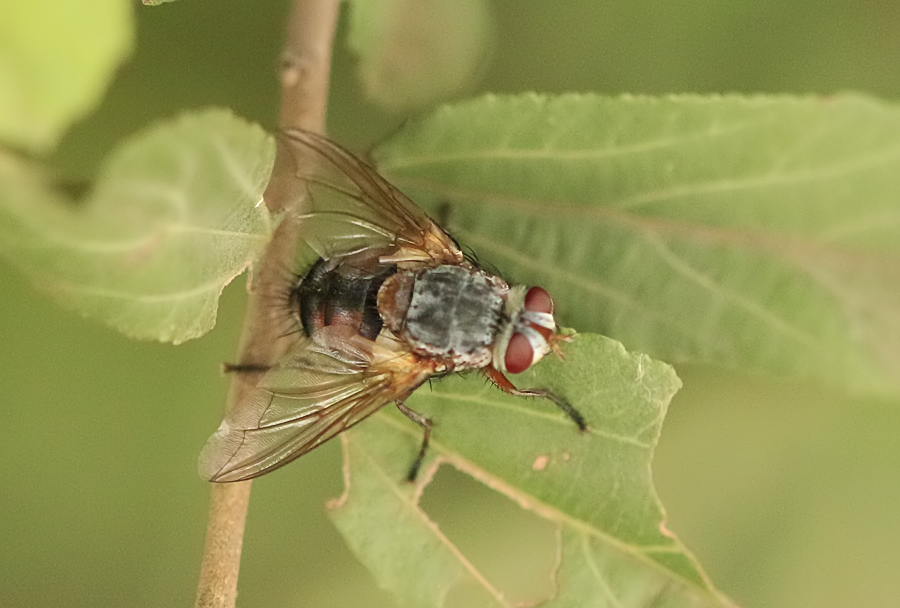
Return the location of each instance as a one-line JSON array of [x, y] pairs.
[[425, 425], [503, 383], [244, 368]]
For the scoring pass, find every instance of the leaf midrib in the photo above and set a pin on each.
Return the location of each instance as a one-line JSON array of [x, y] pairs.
[[548, 153]]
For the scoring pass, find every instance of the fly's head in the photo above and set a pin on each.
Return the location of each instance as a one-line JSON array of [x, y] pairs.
[[530, 332]]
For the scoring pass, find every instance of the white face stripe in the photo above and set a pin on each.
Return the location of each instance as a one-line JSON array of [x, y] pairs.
[[541, 319]]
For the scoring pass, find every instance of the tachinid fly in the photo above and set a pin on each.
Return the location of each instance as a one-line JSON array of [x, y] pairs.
[[384, 301]]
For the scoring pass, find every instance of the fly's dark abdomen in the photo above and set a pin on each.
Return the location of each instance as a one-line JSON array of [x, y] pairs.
[[454, 312], [340, 295]]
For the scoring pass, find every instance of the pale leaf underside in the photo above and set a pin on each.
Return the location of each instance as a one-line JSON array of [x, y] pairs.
[[175, 216]]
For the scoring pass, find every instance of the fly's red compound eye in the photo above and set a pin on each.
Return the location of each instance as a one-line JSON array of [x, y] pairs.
[[538, 300], [519, 354]]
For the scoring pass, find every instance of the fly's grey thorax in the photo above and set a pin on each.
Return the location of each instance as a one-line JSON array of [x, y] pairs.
[[451, 312]]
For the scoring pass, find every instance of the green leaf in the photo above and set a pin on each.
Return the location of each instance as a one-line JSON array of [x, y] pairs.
[[596, 487], [416, 52], [56, 59], [759, 233], [176, 214]]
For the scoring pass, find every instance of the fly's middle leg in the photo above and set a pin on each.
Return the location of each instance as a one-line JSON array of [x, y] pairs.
[[425, 424]]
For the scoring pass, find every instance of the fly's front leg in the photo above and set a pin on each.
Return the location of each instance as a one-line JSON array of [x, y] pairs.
[[503, 383], [425, 425]]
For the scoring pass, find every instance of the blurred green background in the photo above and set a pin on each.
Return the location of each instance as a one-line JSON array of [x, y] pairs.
[[788, 494]]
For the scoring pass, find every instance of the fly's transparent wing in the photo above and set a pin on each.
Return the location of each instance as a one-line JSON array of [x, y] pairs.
[[347, 208], [354, 219], [311, 396]]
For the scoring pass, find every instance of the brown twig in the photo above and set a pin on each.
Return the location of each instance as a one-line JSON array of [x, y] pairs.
[[304, 93], [306, 63]]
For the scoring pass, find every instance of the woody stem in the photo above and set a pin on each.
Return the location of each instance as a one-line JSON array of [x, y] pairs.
[[304, 93]]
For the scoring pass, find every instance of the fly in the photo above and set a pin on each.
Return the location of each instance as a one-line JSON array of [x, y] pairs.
[[386, 301]]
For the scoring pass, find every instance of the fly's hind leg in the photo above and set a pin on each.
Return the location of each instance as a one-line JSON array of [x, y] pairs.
[[425, 424], [244, 368], [503, 383]]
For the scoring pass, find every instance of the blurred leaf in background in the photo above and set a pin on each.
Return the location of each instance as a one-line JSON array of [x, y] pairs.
[[56, 59], [416, 52]]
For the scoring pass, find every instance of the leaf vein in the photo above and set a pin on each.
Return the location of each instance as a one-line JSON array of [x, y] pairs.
[[559, 419], [101, 292], [404, 499], [595, 570], [547, 153], [766, 317]]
